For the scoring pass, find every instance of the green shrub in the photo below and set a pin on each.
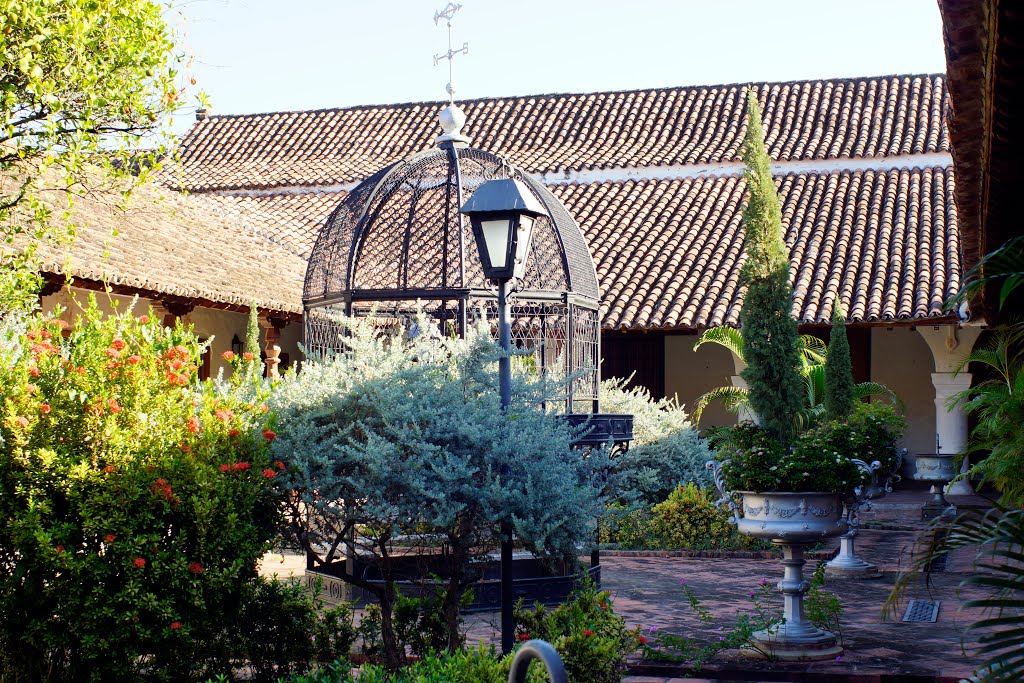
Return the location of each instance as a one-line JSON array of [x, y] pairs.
[[136, 501], [666, 449], [419, 625], [690, 519], [880, 428], [592, 640], [282, 629], [626, 526]]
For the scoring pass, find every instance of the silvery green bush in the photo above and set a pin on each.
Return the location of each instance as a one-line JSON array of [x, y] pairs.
[[396, 437], [666, 450]]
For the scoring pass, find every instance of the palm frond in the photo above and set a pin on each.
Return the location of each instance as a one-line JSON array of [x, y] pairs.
[[729, 337], [1005, 265], [813, 349], [877, 389], [998, 538], [733, 398]]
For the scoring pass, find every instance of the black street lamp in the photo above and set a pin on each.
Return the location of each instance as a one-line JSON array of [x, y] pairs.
[[502, 213]]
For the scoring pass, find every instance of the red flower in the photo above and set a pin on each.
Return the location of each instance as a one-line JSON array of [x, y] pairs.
[[269, 435], [32, 335], [21, 421], [642, 640], [523, 637], [134, 358], [45, 408], [239, 466], [113, 353], [139, 562], [176, 364], [34, 371], [264, 409], [114, 407], [193, 424], [195, 568], [225, 468], [228, 355], [603, 605], [185, 448], [175, 625], [109, 539], [143, 319], [224, 415], [588, 633], [61, 324], [109, 469], [248, 355], [117, 344], [279, 465], [60, 549], [181, 351], [269, 473], [234, 432]]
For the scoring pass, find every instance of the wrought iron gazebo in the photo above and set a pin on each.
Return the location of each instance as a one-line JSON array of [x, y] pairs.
[[398, 245]]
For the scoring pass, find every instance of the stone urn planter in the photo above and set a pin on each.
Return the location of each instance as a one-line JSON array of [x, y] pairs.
[[791, 521], [847, 564], [939, 469]]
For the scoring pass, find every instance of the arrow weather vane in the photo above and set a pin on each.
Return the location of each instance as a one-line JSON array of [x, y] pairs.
[[447, 13]]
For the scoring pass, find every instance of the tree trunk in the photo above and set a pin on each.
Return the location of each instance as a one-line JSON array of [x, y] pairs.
[[394, 653]]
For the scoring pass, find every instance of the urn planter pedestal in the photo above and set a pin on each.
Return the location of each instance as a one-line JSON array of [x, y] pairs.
[[938, 469], [791, 521], [847, 564]]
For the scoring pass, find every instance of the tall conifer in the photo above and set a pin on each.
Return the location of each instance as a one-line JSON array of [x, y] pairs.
[[838, 370], [771, 342], [252, 332]]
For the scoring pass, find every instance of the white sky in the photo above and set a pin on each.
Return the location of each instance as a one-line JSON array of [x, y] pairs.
[[272, 55]]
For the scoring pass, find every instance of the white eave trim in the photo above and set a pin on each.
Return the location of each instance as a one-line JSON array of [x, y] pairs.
[[687, 171]]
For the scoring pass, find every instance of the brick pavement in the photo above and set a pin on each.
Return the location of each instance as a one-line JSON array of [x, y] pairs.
[[878, 648]]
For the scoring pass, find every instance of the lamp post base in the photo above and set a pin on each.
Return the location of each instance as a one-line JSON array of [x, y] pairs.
[[847, 565]]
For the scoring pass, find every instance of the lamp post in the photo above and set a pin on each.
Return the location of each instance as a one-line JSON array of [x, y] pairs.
[[502, 213]]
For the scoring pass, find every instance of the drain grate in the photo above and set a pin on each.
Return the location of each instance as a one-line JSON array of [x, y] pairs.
[[922, 611]]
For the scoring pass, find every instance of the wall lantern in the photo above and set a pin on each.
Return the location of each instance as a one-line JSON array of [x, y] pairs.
[[502, 213], [236, 345]]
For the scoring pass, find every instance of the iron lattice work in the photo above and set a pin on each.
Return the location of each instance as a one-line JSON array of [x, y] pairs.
[[398, 244]]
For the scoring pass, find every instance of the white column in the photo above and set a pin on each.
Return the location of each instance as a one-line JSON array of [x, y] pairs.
[[950, 345]]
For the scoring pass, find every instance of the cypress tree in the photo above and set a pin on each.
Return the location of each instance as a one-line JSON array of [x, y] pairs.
[[838, 370], [252, 332], [771, 342]]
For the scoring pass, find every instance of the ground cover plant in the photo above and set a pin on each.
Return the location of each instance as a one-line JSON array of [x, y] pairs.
[[136, 501]]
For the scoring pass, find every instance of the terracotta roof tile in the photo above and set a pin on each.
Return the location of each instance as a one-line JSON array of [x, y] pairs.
[[862, 117], [174, 245], [668, 253]]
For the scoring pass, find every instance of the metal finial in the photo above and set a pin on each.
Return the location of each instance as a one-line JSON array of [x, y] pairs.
[[447, 13], [452, 118]]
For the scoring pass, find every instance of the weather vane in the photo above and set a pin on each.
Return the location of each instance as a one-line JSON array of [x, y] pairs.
[[447, 13]]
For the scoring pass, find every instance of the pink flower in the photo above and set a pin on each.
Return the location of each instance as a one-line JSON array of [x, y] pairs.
[[193, 424], [224, 415], [34, 371], [21, 421], [144, 319], [247, 355], [45, 408], [228, 355]]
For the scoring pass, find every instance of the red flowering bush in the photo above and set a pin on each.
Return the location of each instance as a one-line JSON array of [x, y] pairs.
[[131, 519]]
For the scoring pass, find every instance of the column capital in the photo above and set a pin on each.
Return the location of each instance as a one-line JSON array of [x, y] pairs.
[[949, 343]]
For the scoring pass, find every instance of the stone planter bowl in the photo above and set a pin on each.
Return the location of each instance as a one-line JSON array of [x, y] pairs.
[[792, 517]]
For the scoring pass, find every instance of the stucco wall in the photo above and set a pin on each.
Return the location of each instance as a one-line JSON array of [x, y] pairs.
[[690, 374], [901, 360], [207, 322]]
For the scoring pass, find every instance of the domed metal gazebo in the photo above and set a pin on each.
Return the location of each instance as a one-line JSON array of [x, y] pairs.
[[398, 244]]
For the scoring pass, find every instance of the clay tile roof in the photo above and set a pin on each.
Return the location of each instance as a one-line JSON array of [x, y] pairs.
[[170, 245], [805, 120], [668, 253]]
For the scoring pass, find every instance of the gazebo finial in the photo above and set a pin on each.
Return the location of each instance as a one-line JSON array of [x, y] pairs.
[[452, 118]]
